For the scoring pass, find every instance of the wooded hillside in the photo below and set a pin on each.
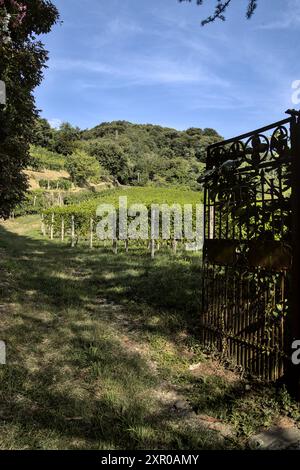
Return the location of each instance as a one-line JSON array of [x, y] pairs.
[[133, 154]]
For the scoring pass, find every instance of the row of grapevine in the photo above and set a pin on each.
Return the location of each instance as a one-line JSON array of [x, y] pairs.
[[79, 223], [41, 199], [61, 183]]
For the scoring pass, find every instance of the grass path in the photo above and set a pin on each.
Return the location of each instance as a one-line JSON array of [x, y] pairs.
[[100, 358]]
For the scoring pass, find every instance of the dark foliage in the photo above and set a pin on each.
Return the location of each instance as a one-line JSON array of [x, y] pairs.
[[21, 63]]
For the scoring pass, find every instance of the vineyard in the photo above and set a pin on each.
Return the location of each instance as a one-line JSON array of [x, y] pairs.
[[78, 221]]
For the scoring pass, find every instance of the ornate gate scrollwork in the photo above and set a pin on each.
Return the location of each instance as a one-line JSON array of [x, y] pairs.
[[248, 248]]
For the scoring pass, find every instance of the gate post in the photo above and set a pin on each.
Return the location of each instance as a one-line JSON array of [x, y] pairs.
[[293, 370]]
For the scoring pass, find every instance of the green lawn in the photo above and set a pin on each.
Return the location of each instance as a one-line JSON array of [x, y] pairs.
[[99, 348]]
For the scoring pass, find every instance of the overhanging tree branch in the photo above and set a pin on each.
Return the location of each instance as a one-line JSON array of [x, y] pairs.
[[221, 8]]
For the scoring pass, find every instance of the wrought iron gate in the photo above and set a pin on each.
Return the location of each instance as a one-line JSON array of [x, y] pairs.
[[248, 248]]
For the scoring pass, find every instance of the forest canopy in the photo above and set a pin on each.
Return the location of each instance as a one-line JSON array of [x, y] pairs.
[[133, 154]]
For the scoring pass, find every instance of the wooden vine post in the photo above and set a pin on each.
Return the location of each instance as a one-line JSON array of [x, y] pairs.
[[72, 231], [52, 227], [152, 248], [62, 229], [115, 246], [91, 233], [43, 227]]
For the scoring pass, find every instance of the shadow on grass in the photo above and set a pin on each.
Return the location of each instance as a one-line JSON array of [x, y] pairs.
[[60, 277], [70, 382]]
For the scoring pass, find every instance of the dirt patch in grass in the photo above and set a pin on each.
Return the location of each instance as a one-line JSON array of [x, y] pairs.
[[212, 367]]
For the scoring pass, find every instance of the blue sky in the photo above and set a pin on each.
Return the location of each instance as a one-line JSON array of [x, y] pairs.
[[150, 61]]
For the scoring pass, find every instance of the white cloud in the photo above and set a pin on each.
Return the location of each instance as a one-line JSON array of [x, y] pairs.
[[121, 26], [65, 65], [55, 123], [144, 71]]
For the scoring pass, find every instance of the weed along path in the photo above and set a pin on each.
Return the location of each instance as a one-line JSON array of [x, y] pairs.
[[102, 353]]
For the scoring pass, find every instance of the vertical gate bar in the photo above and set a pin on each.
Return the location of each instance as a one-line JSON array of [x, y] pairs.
[[211, 219], [233, 217], [266, 333], [220, 220], [241, 198], [227, 220], [242, 310], [208, 287], [281, 199], [212, 227], [262, 313], [222, 313], [208, 216], [272, 205], [282, 322], [263, 206], [211, 310], [247, 359], [247, 202], [234, 317], [268, 365], [218, 333], [226, 309], [238, 329], [255, 211], [247, 324], [243, 320], [276, 337], [208, 312], [257, 336], [216, 308], [218, 313]]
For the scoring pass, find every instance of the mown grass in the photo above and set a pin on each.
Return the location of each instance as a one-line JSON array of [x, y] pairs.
[[91, 337], [70, 381]]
